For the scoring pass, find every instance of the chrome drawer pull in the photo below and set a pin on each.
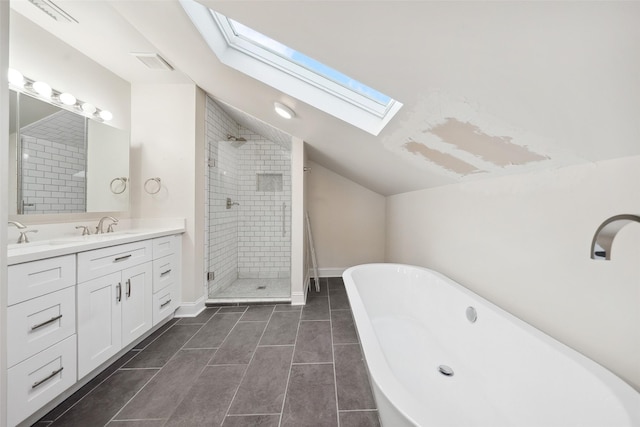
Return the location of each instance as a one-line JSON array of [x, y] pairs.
[[122, 258], [40, 325], [164, 303], [164, 273], [53, 374]]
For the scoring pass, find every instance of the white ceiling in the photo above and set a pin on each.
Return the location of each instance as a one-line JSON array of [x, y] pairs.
[[559, 78]]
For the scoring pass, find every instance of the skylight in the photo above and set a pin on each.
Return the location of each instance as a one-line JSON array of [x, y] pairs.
[[292, 72]]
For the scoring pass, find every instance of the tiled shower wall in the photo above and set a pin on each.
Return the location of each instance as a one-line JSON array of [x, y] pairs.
[[53, 164], [247, 240], [222, 223], [264, 236]]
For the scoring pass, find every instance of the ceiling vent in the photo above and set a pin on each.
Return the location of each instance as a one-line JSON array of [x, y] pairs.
[[53, 10], [153, 60]]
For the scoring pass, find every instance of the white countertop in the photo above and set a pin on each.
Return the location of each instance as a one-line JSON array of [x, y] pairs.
[[25, 252]]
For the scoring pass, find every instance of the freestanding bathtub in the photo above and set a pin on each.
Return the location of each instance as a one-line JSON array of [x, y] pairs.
[[440, 355]]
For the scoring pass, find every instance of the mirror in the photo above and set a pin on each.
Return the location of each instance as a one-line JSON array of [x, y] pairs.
[[64, 162]]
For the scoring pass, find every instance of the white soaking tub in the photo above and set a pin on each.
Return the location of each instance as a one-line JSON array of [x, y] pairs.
[[432, 365]]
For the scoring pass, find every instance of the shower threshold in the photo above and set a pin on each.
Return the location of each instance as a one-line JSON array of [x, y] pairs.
[[247, 300], [252, 291]]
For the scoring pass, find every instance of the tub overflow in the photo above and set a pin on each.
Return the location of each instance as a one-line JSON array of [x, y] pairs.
[[445, 370], [472, 314]]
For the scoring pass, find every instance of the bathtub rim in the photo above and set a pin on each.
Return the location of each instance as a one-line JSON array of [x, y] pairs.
[[404, 403]]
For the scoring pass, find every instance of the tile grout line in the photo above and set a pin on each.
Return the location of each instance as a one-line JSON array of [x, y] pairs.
[[156, 374], [138, 351], [93, 388], [286, 388], [132, 397], [333, 355], [244, 373]]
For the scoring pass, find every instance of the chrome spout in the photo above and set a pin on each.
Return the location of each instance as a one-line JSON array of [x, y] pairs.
[[99, 227], [19, 225], [607, 232]]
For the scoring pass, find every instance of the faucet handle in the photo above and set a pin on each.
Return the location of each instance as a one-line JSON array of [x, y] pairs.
[[23, 236], [85, 230], [110, 227]]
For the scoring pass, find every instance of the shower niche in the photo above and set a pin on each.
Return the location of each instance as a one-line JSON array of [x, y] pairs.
[[249, 241]]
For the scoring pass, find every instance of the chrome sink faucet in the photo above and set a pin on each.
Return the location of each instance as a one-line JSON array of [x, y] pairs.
[[23, 231], [19, 225], [85, 230], [99, 228]]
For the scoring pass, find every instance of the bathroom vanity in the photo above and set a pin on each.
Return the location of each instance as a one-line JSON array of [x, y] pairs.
[[77, 303]]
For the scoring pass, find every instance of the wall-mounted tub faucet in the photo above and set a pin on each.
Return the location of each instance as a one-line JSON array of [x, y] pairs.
[[231, 203], [607, 232]]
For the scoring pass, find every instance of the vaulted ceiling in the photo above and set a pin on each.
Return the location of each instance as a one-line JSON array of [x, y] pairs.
[[489, 88]]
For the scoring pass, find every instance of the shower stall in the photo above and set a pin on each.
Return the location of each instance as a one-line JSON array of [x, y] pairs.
[[249, 213]]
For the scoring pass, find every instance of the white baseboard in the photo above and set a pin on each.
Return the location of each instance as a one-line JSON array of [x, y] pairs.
[[300, 298], [191, 309]]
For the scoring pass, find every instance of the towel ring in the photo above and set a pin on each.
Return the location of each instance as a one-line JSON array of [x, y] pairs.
[[120, 179], [158, 183]]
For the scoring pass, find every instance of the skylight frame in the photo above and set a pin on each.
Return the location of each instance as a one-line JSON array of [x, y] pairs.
[[287, 75], [262, 51]]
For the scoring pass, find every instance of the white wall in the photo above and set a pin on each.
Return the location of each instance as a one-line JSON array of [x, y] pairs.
[[4, 177], [167, 141], [40, 56], [523, 243], [347, 221], [298, 276]]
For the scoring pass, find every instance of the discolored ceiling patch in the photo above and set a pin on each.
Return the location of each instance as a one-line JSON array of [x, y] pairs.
[[498, 150], [447, 161]]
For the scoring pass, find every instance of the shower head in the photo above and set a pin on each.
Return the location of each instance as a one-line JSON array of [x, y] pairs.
[[235, 138]]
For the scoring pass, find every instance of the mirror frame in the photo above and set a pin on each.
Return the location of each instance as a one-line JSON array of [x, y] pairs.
[[36, 218]]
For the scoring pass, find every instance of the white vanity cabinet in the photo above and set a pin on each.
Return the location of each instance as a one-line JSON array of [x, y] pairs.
[[41, 338], [73, 309], [166, 276], [114, 301]]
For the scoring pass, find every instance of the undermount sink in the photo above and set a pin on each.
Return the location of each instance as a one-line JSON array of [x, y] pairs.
[[52, 245], [71, 240]]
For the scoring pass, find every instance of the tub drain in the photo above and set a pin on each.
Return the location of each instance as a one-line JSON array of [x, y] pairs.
[[445, 370]]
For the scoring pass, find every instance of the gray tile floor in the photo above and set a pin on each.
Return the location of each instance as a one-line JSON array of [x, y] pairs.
[[261, 365]]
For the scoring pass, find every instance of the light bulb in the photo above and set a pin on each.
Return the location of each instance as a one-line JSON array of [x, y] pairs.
[[106, 115], [15, 77], [67, 98], [42, 89], [88, 108]]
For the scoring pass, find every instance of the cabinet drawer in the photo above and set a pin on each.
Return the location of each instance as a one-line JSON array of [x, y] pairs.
[[164, 303], [93, 264], [36, 381], [165, 272], [39, 323], [163, 246], [36, 278]]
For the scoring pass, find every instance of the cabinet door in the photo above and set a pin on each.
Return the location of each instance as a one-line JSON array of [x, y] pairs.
[[137, 306], [99, 321]]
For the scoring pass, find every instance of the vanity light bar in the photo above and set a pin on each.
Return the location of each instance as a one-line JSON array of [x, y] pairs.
[[42, 90]]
